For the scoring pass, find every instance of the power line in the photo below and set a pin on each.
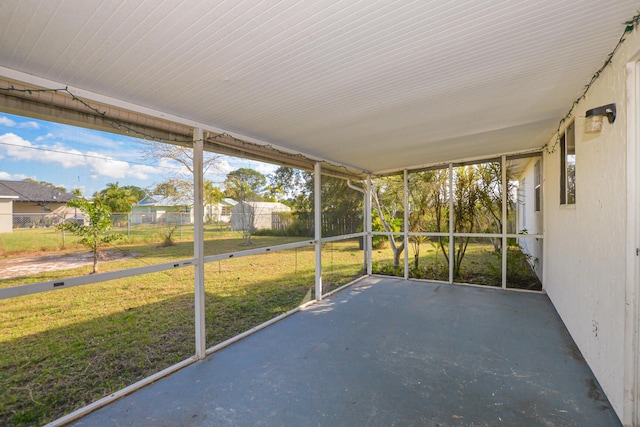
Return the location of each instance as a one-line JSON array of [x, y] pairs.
[[88, 156]]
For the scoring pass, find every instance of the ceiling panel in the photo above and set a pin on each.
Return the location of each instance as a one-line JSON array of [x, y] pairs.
[[377, 85]]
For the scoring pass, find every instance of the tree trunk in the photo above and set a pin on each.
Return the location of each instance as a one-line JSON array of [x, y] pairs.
[[397, 250], [95, 259]]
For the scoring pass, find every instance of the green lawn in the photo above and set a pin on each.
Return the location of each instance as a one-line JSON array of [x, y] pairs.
[[23, 241], [64, 349]]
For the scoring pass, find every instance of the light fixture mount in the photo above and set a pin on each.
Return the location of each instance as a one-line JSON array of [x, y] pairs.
[[608, 110], [593, 122]]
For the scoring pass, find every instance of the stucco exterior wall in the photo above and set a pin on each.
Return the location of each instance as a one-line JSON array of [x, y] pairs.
[[32, 207], [6, 215], [585, 243]]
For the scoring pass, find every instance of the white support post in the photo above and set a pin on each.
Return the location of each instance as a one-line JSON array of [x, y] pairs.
[[631, 403], [198, 243], [406, 224], [505, 197], [368, 228], [317, 215], [451, 225], [365, 259]]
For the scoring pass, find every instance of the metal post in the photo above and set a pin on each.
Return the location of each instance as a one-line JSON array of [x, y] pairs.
[[368, 237], [405, 236], [317, 214], [505, 197], [364, 220], [451, 225], [198, 243]]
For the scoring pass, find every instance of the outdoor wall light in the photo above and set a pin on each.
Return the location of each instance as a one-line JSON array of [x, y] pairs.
[[593, 122]]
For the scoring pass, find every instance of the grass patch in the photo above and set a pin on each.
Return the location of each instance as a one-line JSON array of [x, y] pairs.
[[26, 241], [23, 241], [481, 265], [62, 350]]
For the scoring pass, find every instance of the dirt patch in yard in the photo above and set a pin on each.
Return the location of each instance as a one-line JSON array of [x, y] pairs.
[[24, 266]]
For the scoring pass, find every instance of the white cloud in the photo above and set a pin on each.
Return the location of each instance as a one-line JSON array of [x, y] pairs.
[[222, 167], [18, 148], [29, 125], [113, 168], [6, 121], [15, 147], [264, 168], [12, 176], [42, 138], [81, 136]]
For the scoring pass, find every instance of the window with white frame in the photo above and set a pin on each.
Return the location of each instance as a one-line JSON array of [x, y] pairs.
[[568, 166]]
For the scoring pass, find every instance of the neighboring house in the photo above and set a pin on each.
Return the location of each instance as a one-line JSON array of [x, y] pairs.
[[154, 209], [6, 213], [220, 212], [32, 205], [258, 216]]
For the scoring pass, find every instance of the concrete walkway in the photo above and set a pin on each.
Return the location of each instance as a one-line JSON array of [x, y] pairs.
[[386, 352]]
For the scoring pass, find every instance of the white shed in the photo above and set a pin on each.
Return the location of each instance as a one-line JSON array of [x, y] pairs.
[[258, 216]]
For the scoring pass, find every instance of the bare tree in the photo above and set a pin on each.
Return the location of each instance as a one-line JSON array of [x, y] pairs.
[[180, 184], [154, 150]]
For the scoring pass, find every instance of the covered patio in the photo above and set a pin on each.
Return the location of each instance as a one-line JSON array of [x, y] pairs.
[[386, 352], [377, 93]]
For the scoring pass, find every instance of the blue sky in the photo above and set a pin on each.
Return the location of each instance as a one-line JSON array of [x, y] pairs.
[[82, 158]]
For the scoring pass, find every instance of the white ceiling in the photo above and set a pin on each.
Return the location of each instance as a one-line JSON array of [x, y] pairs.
[[378, 85]]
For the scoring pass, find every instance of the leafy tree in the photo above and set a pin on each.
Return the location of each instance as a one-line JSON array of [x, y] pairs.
[[212, 194], [245, 186], [295, 185], [174, 187], [135, 191], [428, 200], [77, 192], [46, 184], [295, 189], [477, 207], [341, 207], [92, 234], [388, 200], [118, 199], [466, 197]]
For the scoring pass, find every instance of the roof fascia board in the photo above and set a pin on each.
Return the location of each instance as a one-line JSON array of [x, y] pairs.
[[513, 155]]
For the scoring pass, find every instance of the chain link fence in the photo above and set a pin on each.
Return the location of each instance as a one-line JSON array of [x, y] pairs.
[[38, 220]]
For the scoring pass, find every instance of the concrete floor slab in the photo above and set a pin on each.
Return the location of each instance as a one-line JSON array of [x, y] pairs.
[[386, 352]]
